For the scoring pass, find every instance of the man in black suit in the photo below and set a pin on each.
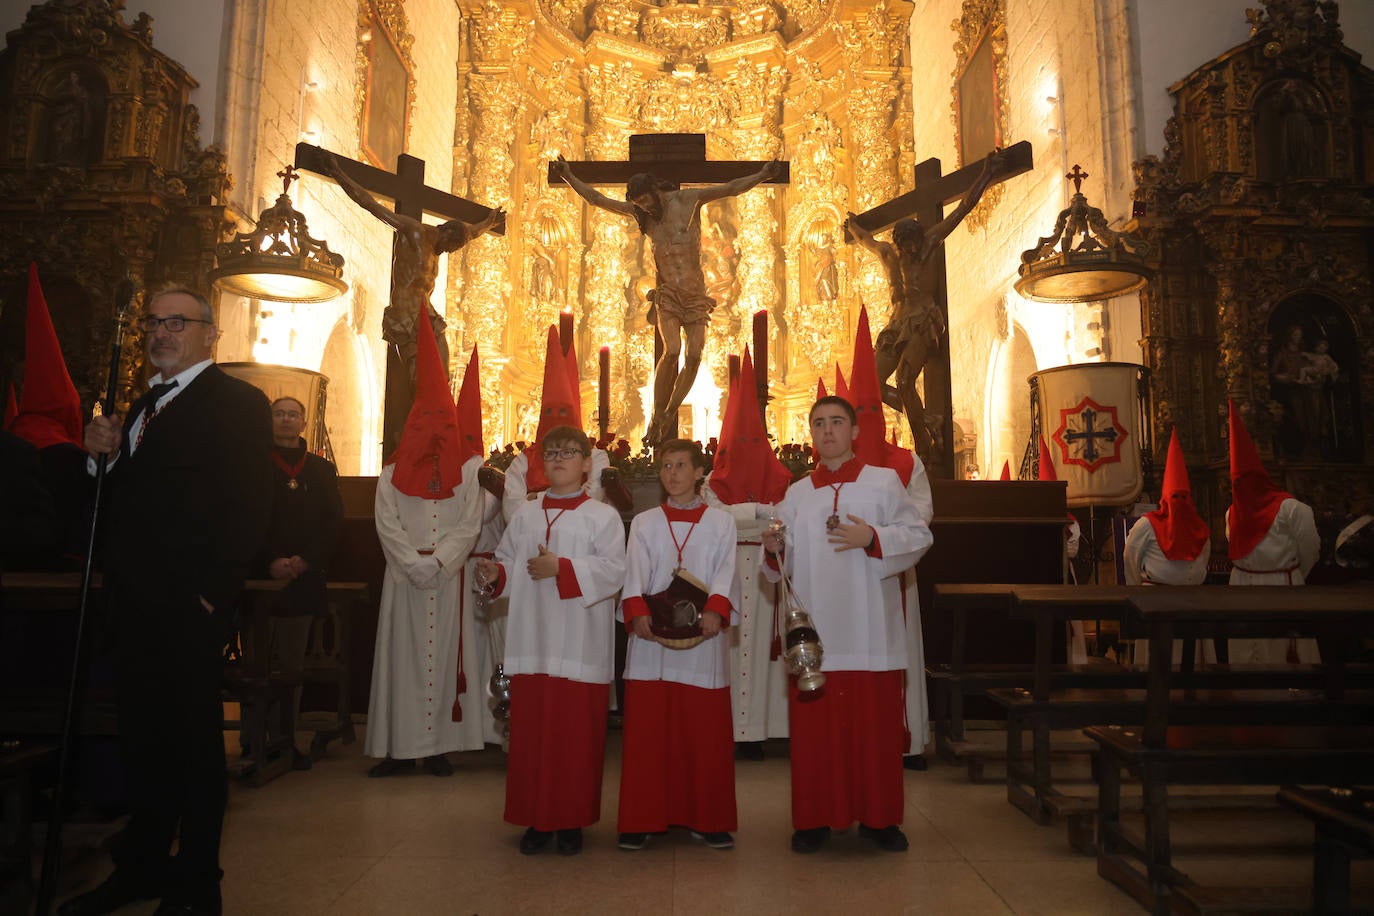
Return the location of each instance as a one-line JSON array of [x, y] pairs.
[[187, 508], [306, 512]]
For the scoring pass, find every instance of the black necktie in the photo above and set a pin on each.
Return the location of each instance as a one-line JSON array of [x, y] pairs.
[[150, 400]]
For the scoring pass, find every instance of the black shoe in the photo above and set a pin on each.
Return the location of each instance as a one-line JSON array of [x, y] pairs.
[[633, 840], [570, 842], [300, 761], [717, 840], [111, 894], [534, 841], [889, 839], [438, 765], [810, 840], [748, 750], [390, 767], [915, 762]]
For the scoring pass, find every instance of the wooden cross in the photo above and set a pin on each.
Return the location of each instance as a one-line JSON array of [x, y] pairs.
[[411, 197], [677, 159], [926, 202]]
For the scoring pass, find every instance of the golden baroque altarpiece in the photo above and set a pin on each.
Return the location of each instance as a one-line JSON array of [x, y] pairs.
[[101, 173], [825, 85], [1262, 212]]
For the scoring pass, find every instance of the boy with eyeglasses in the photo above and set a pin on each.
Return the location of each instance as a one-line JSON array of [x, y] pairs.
[[678, 766], [561, 561]]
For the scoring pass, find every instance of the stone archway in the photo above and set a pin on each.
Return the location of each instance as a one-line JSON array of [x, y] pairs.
[[1008, 404], [351, 411]]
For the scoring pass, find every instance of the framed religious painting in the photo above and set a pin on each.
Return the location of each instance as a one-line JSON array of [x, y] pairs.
[[386, 80], [979, 90]]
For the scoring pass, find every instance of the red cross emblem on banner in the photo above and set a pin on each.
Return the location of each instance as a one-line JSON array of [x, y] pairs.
[[1089, 435]]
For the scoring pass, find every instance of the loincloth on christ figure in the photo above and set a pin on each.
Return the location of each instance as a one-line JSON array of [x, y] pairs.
[[913, 324], [687, 307]]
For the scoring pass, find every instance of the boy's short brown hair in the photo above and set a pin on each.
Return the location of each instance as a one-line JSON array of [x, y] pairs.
[[688, 446], [566, 436], [838, 402]]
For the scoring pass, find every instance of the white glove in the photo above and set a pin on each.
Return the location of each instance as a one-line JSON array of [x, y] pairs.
[[424, 572]]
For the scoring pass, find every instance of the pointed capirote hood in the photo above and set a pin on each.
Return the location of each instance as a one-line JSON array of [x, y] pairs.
[[558, 407], [1006, 471], [872, 446], [746, 468], [574, 380], [1179, 528], [841, 386], [1046, 469], [49, 410], [429, 460], [470, 410], [1254, 498]]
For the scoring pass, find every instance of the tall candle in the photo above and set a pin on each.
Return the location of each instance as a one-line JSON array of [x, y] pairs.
[[603, 392], [761, 360], [565, 330]]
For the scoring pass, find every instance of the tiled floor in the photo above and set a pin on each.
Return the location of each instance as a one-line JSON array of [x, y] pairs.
[[332, 841]]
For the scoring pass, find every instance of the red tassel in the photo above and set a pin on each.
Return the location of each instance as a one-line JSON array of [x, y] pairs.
[[775, 649], [457, 711], [906, 740]]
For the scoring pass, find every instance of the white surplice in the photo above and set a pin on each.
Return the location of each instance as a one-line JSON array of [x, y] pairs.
[[1146, 564], [708, 553], [415, 664], [917, 701], [562, 637], [758, 692], [854, 598], [1284, 556]]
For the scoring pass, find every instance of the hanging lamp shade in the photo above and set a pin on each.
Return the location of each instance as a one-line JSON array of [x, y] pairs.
[[278, 260], [1091, 261]]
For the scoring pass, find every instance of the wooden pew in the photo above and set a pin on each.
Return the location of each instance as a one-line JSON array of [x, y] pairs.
[[1242, 747], [1344, 824]]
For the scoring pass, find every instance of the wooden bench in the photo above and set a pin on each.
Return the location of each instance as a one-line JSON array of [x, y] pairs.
[[1344, 824], [328, 662], [1249, 750]]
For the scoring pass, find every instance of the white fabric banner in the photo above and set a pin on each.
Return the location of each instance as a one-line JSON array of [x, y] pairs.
[[1090, 419]]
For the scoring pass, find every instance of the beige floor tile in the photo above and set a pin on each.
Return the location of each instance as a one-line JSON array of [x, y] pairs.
[[1056, 888]]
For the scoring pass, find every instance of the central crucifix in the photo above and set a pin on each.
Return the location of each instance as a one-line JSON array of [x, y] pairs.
[[670, 215], [916, 339]]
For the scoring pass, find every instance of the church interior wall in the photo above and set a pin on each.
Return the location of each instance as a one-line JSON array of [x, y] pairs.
[[1066, 66]]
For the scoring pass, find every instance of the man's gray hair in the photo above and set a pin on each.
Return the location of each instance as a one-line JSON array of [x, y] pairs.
[[206, 309]]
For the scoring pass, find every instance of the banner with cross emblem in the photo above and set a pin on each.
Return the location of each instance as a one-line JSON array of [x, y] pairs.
[[1090, 414]]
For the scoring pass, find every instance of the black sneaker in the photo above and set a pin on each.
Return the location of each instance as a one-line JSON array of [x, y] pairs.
[[915, 762], [810, 840], [300, 761], [390, 767], [534, 841], [633, 840], [717, 840], [889, 839], [570, 842]]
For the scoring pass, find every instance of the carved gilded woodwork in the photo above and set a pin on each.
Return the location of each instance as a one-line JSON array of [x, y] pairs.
[[823, 84], [102, 174], [1260, 212]]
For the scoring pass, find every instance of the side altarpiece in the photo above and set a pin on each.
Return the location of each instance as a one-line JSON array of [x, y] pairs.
[[1262, 214], [101, 175]]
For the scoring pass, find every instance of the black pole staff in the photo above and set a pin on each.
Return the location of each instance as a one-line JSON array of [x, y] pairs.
[[52, 848]]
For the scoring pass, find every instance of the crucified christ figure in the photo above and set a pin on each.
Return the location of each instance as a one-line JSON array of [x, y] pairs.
[[671, 219], [913, 332], [414, 265]]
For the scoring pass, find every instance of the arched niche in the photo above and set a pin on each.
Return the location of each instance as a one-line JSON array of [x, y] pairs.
[[1292, 131], [1008, 402], [72, 113], [351, 410], [1314, 371]]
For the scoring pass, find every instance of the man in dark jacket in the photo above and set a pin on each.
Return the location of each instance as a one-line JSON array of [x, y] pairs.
[[186, 511], [306, 511]]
